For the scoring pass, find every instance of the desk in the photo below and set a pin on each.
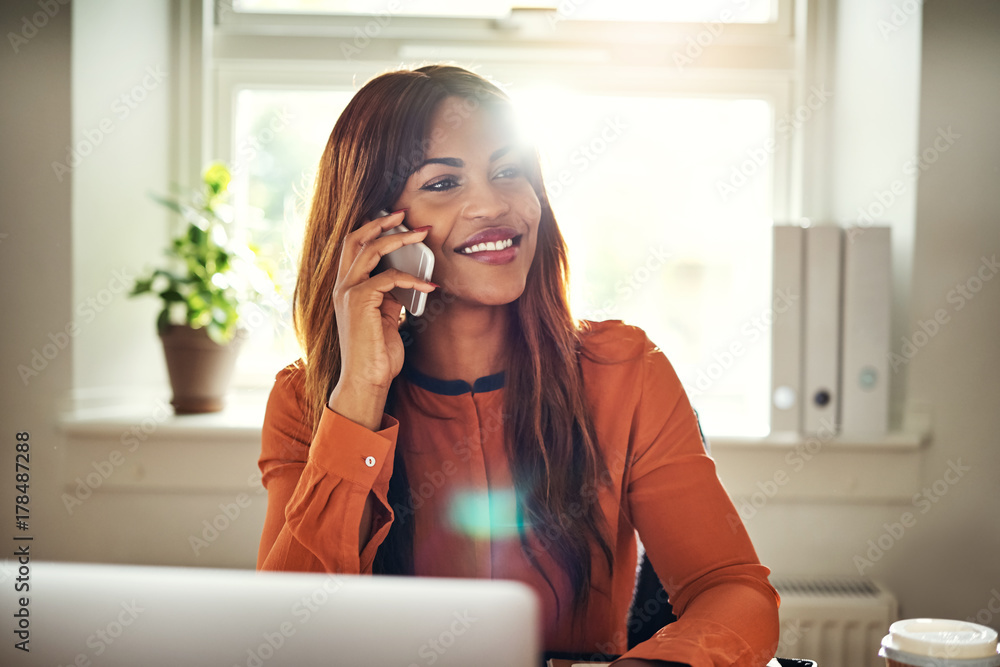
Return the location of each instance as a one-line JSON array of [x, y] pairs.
[[560, 660]]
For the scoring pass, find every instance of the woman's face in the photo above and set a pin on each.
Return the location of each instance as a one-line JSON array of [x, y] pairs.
[[472, 190]]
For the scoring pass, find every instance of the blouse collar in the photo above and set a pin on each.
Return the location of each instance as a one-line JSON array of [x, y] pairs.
[[452, 387]]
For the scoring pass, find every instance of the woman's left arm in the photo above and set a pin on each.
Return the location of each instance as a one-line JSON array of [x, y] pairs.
[[727, 610]]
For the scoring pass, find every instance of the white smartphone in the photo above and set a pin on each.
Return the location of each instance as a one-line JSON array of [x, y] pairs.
[[415, 259]]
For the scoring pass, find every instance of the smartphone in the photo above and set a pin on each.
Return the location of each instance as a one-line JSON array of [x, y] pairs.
[[415, 259]]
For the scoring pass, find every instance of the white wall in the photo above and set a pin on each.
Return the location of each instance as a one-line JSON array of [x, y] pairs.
[[36, 241], [949, 564], [121, 101]]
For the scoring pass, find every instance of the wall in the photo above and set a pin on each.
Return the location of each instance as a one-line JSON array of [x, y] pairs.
[[948, 563], [36, 252], [121, 104]]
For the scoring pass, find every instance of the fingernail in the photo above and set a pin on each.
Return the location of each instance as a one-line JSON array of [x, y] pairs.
[[434, 284], [422, 229], [402, 210]]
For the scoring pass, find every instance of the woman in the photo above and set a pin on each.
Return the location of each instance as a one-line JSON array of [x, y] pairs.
[[493, 436]]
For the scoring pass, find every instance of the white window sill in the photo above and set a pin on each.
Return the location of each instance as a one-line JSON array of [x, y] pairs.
[[140, 445], [792, 467], [241, 418]]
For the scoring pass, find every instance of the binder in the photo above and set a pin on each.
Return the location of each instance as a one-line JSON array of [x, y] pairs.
[[867, 314], [786, 328], [822, 322]]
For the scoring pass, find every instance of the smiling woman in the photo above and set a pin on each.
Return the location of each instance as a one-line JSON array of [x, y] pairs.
[[494, 436]]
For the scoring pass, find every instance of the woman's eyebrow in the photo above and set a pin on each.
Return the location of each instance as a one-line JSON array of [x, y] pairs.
[[499, 153], [447, 161], [458, 163]]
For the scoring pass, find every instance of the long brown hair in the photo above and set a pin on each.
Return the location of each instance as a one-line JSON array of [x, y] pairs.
[[551, 446]]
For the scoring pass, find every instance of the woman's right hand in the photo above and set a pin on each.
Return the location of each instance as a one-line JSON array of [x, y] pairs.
[[371, 349]]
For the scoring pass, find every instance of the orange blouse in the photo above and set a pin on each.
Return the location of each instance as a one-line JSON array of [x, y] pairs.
[[662, 484]]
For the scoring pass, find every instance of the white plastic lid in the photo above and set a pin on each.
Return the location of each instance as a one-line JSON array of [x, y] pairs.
[[942, 638]]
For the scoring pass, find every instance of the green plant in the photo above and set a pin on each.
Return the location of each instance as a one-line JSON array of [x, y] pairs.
[[212, 275]]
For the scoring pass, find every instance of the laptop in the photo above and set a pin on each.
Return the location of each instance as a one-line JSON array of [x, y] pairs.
[[142, 616]]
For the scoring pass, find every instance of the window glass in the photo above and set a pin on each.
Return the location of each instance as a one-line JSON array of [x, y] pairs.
[[660, 236], [279, 136], [667, 227]]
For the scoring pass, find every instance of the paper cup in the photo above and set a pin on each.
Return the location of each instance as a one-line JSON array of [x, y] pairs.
[[938, 642]]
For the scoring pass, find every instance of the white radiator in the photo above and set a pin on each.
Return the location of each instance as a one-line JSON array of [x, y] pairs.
[[836, 622]]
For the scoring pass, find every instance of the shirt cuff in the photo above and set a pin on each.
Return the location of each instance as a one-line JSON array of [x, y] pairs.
[[350, 451]]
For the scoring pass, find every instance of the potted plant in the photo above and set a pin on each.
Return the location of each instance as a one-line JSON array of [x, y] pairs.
[[208, 288]]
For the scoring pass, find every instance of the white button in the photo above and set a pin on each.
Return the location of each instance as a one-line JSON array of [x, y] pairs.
[[370, 461]]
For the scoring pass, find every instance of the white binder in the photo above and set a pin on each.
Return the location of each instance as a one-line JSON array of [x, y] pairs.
[[786, 329], [821, 362], [867, 304]]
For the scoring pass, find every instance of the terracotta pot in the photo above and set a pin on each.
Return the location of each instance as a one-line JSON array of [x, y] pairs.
[[199, 368]]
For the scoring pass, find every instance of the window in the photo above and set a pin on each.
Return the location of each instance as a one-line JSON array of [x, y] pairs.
[[666, 148]]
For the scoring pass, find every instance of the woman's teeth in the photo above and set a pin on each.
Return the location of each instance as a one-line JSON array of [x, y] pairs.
[[489, 245]]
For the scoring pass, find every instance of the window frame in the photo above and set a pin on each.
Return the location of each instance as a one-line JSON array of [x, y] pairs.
[[231, 21]]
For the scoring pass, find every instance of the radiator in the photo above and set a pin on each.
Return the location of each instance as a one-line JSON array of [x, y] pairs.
[[836, 622]]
